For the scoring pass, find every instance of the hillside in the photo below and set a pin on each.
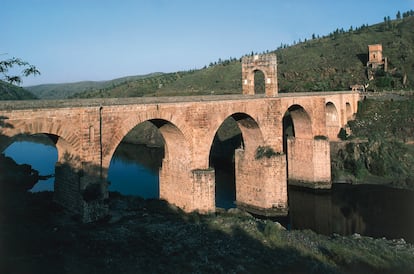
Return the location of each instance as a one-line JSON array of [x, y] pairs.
[[333, 62], [12, 92], [61, 91]]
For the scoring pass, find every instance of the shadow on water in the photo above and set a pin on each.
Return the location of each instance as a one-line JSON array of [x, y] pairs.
[[35, 156], [372, 210]]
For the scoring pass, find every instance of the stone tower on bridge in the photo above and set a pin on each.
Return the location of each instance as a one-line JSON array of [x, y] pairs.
[[267, 64]]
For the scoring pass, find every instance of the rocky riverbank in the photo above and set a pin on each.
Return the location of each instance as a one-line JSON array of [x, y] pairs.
[[151, 236]]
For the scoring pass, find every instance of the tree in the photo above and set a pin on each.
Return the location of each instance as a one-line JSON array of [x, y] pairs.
[[27, 70], [398, 15]]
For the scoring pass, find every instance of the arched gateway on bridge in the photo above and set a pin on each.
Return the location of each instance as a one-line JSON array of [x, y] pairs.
[[267, 64], [89, 131]]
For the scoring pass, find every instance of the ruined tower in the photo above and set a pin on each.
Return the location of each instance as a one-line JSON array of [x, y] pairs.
[[266, 63]]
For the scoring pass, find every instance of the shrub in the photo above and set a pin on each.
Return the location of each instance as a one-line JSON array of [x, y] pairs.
[[265, 151]]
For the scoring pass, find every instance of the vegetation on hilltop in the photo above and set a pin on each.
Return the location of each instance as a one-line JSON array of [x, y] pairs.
[[333, 62], [12, 92], [66, 90], [381, 143], [8, 91]]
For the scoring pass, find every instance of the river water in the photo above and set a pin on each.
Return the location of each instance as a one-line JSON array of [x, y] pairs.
[[370, 210]]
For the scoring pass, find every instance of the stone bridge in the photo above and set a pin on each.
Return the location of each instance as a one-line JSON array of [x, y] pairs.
[[87, 133]]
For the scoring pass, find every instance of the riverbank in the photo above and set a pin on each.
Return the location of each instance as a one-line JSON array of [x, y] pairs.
[[153, 236]]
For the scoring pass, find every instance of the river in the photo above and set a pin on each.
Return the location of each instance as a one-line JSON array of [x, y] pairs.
[[370, 210]]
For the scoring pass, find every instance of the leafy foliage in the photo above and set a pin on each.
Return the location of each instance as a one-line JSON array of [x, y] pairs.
[[265, 151], [378, 147], [28, 70]]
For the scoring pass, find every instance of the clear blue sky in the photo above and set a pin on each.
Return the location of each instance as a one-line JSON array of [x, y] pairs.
[[75, 40]]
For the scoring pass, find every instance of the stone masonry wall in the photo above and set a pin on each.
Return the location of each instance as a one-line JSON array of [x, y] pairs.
[[90, 131]]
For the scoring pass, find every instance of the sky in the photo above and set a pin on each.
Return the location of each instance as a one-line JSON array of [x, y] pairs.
[[77, 40]]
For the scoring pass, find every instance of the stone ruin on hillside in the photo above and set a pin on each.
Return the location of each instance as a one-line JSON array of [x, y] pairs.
[[375, 60]]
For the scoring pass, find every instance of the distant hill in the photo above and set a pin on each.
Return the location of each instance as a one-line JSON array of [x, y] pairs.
[[61, 91], [12, 92], [332, 62]]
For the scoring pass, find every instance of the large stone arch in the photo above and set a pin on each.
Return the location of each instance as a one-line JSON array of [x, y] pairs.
[[265, 63], [333, 122], [260, 180], [175, 137], [68, 186], [308, 157], [66, 141], [175, 175], [302, 121], [251, 138]]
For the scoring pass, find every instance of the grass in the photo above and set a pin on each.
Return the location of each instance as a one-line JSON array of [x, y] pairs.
[[153, 236]]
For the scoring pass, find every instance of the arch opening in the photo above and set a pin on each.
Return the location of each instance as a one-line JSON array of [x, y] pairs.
[[28, 162], [296, 123], [332, 117], [135, 164], [349, 112], [226, 140], [259, 82], [238, 131]]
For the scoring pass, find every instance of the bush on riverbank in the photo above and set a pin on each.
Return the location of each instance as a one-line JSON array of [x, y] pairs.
[[379, 144]]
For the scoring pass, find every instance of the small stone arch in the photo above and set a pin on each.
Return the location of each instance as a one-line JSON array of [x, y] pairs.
[[236, 171], [349, 112], [56, 132], [333, 123], [267, 64], [301, 121], [252, 136], [175, 173], [173, 137]]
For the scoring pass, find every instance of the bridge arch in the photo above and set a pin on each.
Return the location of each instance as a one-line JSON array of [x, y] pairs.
[[249, 128], [237, 131], [259, 82], [333, 123], [176, 142], [349, 111], [299, 121], [175, 166], [66, 141]]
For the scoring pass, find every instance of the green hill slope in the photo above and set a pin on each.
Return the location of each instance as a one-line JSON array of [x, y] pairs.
[[333, 62], [12, 92], [61, 91]]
